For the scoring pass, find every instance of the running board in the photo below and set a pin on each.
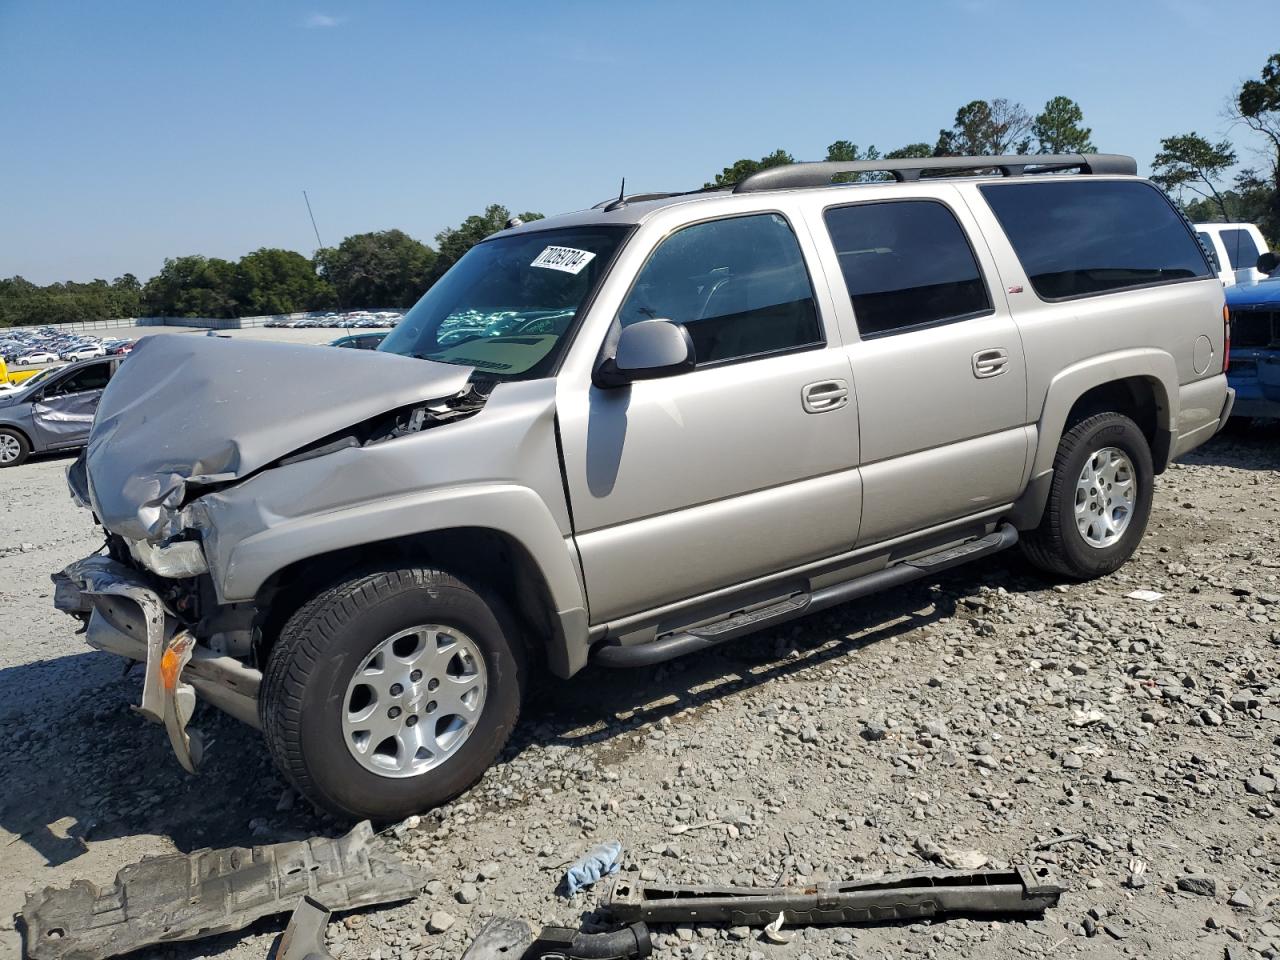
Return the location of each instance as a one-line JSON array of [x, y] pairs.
[[672, 645]]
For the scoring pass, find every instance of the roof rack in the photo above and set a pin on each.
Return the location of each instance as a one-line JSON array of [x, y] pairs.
[[819, 174]]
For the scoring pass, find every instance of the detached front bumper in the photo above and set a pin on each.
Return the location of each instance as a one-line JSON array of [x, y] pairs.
[[125, 616]]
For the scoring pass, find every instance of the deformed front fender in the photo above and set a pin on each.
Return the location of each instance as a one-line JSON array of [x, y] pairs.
[[512, 511], [508, 509]]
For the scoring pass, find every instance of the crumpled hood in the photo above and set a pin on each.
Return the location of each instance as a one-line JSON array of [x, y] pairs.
[[186, 409], [1255, 294]]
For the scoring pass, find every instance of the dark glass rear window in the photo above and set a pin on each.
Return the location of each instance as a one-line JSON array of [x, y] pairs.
[[1079, 237], [1241, 250], [907, 264]]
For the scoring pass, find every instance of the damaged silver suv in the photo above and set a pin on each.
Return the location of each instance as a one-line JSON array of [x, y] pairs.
[[630, 433]]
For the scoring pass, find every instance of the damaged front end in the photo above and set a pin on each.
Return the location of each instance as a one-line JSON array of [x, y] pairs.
[[189, 418], [124, 614]]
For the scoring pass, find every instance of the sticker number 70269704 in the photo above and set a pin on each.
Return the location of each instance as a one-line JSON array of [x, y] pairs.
[[566, 259]]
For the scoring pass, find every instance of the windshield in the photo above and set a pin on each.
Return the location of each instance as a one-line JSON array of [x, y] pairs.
[[507, 307], [42, 375]]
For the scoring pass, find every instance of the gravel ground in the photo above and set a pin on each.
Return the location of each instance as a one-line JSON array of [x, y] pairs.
[[989, 711]]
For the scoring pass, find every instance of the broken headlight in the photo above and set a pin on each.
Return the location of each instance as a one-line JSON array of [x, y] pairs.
[[177, 560]]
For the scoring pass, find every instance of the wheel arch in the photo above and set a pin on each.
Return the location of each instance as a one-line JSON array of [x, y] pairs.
[[1141, 384], [485, 557]]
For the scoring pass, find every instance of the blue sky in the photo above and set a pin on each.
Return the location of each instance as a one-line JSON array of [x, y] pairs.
[[137, 130]]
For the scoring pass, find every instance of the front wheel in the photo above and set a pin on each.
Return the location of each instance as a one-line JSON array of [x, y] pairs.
[[392, 692], [1099, 501], [14, 448]]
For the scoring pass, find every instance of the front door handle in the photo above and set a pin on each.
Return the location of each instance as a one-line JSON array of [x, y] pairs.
[[824, 395], [990, 363]]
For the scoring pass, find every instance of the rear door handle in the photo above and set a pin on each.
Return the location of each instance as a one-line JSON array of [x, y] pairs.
[[990, 363], [824, 395]]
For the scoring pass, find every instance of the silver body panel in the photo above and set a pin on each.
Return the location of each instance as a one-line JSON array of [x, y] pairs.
[[635, 503]]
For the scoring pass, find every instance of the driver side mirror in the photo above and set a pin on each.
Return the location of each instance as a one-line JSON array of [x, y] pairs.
[[647, 350], [1268, 262]]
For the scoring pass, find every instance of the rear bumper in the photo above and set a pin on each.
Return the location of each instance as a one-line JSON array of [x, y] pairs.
[[1227, 408], [1203, 407], [126, 617]]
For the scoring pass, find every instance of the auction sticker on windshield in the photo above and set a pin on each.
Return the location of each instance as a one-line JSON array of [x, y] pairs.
[[566, 259]]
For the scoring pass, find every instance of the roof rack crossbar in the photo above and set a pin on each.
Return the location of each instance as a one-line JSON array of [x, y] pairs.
[[820, 174]]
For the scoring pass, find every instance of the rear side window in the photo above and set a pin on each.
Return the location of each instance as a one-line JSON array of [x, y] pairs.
[[906, 264], [1241, 250], [739, 286], [1210, 250], [1078, 237]]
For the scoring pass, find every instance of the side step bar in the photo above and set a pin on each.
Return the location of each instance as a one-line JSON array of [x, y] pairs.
[[788, 608], [890, 897]]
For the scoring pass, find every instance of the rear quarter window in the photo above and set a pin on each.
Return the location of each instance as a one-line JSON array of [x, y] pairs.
[[1211, 252], [1080, 238]]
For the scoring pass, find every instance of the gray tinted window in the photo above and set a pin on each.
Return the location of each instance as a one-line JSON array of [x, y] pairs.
[[1210, 250], [1241, 250], [1081, 237], [739, 286], [906, 264], [92, 377]]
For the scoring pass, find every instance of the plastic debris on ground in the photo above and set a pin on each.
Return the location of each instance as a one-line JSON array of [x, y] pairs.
[[601, 860]]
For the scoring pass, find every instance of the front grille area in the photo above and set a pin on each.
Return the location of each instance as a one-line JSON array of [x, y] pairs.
[[1255, 328]]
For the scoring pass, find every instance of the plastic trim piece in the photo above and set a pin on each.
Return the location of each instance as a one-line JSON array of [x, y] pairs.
[[873, 899], [184, 897]]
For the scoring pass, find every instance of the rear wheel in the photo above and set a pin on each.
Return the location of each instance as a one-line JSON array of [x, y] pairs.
[[1099, 501], [392, 692], [14, 448]]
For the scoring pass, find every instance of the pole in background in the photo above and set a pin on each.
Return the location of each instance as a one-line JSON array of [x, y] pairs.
[[319, 244]]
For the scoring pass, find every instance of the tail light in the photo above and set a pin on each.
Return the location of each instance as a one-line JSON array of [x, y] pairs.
[[1226, 337]]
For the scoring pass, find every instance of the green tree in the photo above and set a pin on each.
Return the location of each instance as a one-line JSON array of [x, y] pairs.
[[744, 168], [912, 151], [1059, 128], [985, 128], [843, 150], [192, 286], [384, 269], [1190, 162], [1258, 106], [1247, 201], [279, 281], [453, 242]]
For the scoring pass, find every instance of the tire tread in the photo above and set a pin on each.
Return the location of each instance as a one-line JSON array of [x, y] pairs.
[[1044, 546], [303, 643]]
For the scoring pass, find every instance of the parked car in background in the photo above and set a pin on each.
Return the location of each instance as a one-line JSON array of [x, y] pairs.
[[53, 410], [117, 347], [1254, 369], [35, 356], [83, 351], [1233, 250], [359, 341]]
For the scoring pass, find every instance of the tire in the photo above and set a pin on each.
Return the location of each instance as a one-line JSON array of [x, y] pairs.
[[14, 448], [307, 698], [1058, 546]]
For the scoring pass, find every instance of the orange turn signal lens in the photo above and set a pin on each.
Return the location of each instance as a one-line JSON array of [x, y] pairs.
[[169, 668]]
